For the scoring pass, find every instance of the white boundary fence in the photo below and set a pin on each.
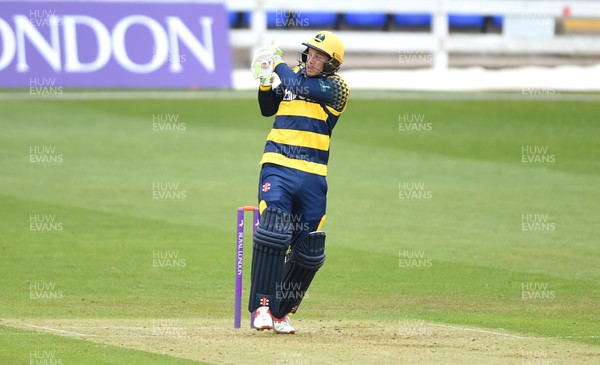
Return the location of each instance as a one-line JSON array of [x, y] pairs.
[[438, 42]]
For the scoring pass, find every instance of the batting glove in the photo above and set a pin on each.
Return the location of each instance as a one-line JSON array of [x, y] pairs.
[[263, 62], [277, 54], [267, 80]]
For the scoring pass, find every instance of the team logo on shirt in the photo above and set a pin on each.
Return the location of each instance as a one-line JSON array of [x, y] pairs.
[[266, 187], [288, 95], [324, 87]]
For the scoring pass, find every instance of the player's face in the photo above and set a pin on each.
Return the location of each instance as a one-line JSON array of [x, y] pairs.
[[315, 61]]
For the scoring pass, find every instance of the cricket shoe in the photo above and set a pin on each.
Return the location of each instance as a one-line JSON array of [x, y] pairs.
[[263, 320], [283, 325]]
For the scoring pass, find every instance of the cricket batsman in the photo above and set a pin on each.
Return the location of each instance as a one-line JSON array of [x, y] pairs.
[[289, 244]]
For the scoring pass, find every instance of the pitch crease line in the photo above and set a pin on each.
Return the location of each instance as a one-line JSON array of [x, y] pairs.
[[478, 330], [57, 330]]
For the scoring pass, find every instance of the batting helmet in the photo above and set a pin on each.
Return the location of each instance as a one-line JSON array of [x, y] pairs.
[[330, 44]]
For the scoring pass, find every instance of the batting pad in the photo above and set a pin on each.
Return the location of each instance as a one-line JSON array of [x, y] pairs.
[[271, 241], [306, 258]]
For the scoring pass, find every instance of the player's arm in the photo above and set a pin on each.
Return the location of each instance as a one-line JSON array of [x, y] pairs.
[[269, 99], [331, 91]]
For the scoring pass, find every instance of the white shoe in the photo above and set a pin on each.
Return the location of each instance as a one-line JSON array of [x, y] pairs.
[[263, 320], [283, 325]]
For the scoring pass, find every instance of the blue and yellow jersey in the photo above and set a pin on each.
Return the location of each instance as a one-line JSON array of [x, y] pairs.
[[307, 109]]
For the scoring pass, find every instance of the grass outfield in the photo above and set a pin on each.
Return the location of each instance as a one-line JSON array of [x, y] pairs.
[[433, 219]]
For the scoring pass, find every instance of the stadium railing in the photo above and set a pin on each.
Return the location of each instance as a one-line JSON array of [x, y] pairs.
[[365, 25]]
